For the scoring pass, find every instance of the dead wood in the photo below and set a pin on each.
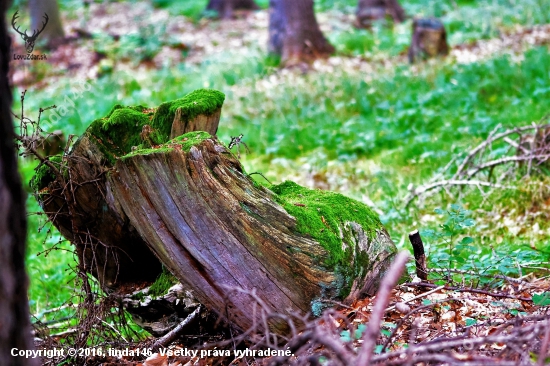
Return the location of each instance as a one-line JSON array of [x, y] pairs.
[[371, 10], [522, 151], [126, 190], [215, 229], [429, 39]]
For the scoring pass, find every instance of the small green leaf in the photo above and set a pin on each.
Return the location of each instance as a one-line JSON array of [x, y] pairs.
[[467, 240], [359, 331], [542, 299], [345, 336], [439, 211], [426, 302], [378, 349], [470, 322]]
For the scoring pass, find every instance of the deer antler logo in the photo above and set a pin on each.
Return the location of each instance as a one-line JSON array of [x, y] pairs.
[[29, 40]]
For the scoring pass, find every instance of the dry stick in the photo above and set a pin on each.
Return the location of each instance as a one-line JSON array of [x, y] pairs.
[[518, 281], [415, 192], [523, 334], [481, 146], [170, 336], [419, 255], [467, 289], [418, 297], [377, 315], [504, 160]]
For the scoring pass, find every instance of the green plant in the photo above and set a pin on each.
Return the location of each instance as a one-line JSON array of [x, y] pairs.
[[451, 235]]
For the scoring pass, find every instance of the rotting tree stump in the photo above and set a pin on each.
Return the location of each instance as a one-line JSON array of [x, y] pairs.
[[429, 39], [190, 202]]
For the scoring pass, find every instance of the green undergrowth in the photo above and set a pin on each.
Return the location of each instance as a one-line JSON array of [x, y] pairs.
[[161, 285]]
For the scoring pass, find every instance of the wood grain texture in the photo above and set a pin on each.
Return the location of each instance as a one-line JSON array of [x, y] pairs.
[[215, 230]]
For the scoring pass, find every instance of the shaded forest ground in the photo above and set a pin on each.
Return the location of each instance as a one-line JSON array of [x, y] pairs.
[[363, 122]]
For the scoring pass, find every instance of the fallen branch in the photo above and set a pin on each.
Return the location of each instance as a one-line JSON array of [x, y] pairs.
[[415, 192], [466, 289], [173, 334], [377, 316]]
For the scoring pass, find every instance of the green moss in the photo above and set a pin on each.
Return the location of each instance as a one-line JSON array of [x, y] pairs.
[[321, 214], [201, 101], [44, 174], [183, 143], [161, 285], [325, 216], [138, 296], [119, 131]]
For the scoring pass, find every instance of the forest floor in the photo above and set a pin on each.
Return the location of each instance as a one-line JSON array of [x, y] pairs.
[[363, 123]]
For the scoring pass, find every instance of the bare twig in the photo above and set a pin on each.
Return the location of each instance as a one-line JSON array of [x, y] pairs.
[[382, 299], [467, 289], [170, 336]]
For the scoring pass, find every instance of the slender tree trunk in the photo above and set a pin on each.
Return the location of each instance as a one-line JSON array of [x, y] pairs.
[[226, 8], [53, 31], [14, 308], [294, 33]]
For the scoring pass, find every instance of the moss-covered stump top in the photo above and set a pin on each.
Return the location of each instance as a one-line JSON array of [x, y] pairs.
[[128, 128]]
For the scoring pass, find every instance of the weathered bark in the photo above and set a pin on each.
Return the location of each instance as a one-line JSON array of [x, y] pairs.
[[53, 32], [15, 330], [429, 39], [370, 10], [294, 33], [212, 226], [107, 244], [216, 231], [226, 8]]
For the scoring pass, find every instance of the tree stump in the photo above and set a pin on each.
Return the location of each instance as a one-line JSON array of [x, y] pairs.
[[107, 244], [429, 39], [371, 10], [216, 230]]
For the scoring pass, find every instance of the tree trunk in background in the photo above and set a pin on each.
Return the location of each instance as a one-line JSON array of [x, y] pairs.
[[294, 33], [226, 8], [14, 309], [429, 39], [54, 30], [369, 10]]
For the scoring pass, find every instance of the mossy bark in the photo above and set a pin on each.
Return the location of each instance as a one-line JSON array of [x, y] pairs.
[[217, 231], [189, 201], [107, 244]]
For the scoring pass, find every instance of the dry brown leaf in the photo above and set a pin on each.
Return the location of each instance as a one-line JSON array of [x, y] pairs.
[[156, 360]]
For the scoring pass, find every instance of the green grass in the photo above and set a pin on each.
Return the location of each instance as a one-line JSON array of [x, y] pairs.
[[360, 133]]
